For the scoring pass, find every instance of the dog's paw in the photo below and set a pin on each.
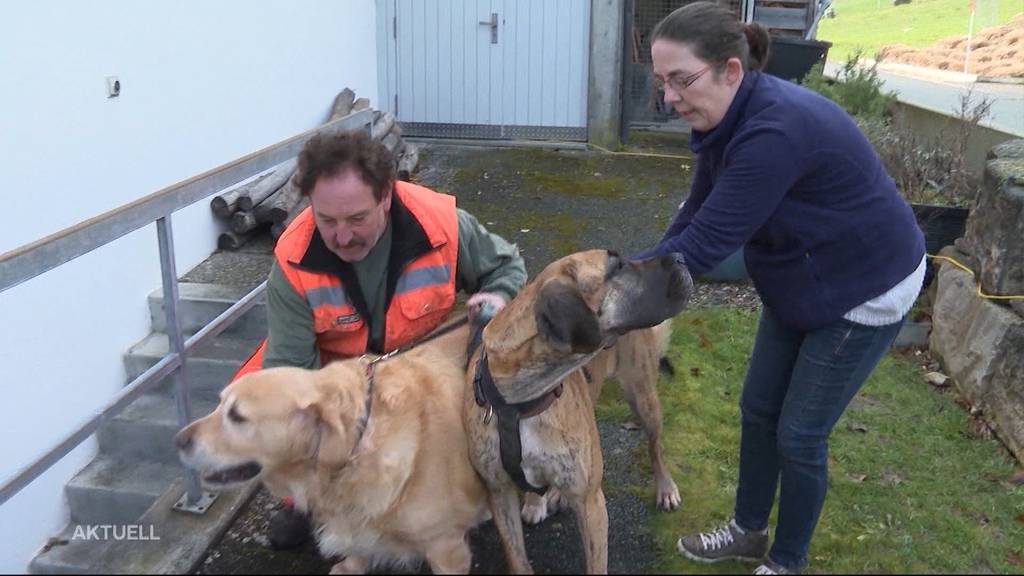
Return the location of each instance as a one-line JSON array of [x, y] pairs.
[[535, 508], [556, 502], [668, 497]]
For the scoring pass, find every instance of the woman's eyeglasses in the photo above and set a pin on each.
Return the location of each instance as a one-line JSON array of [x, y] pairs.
[[680, 83]]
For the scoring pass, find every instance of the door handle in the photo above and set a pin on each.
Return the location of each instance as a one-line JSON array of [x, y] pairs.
[[493, 23]]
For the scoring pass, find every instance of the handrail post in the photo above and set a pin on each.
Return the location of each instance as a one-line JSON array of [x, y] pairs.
[[175, 339]]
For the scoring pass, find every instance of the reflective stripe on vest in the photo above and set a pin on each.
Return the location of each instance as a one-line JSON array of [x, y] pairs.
[[326, 296], [415, 279]]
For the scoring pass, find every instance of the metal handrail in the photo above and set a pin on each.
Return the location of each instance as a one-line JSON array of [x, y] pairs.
[[31, 260]]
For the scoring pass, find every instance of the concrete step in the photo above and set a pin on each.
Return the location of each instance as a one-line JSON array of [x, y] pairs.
[[116, 491], [160, 541], [179, 540], [200, 303], [145, 430], [208, 368], [69, 555]]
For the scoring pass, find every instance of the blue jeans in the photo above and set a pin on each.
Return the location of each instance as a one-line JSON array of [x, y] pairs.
[[797, 386]]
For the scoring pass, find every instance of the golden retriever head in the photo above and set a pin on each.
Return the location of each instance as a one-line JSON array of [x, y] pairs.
[[575, 307], [277, 420]]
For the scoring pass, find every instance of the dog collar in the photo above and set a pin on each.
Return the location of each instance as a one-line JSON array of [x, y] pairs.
[[363, 420]]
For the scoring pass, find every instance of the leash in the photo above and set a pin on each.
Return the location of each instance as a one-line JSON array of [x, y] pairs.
[[369, 362], [458, 323], [509, 415]]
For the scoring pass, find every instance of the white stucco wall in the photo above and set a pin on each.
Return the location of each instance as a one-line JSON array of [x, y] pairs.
[[203, 83]]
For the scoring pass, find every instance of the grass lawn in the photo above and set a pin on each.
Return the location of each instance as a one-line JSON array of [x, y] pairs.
[[913, 488], [872, 24]]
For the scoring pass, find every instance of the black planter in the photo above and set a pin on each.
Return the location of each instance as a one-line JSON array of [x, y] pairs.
[[941, 225], [792, 58]]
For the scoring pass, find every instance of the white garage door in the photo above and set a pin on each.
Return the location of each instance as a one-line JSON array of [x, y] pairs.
[[486, 68]]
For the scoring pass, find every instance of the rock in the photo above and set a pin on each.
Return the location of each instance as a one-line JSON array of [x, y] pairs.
[[980, 343], [1008, 149], [857, 427], [995, 228], [937, 379]]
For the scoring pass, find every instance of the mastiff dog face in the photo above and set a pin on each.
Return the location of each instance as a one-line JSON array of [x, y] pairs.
[[576, 307]]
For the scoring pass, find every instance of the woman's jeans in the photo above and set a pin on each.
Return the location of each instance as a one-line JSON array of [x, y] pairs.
[[797, 386]]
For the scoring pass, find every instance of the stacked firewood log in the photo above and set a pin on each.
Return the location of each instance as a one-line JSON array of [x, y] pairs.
[[272, 200]]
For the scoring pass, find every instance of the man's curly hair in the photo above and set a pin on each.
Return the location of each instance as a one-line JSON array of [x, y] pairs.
[[328, 155]]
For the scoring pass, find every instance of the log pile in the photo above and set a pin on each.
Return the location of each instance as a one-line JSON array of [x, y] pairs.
[[272, 200]]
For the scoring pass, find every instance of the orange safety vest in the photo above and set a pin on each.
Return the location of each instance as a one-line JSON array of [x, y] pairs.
[[423, 296]]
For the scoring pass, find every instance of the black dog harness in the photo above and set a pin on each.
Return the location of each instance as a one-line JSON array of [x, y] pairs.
[[509, 442]]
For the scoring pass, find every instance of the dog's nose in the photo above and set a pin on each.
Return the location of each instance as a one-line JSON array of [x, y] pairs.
[[673, 259], [183, 440], [680, 284]]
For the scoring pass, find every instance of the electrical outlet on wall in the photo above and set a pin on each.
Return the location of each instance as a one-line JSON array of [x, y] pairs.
[[113, 87]]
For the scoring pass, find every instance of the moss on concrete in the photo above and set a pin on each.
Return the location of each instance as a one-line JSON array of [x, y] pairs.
[[596, 185], [662, 141], [554, 202]]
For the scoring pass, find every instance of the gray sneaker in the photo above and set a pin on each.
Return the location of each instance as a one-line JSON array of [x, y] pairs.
[[730, 542]]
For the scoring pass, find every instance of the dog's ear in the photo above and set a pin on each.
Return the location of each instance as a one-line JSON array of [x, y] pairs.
[[321, 421], [565, 319]]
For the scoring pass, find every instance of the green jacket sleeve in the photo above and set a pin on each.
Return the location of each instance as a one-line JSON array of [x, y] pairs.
[[291, 340], [487, 262]]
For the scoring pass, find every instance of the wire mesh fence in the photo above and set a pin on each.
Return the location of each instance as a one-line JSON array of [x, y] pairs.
[[644, 105]]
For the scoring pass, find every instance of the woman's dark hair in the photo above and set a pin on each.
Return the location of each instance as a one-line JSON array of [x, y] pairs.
[[327, 155], [715, 35]]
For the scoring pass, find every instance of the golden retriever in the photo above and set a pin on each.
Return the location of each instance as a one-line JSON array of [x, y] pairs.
[[397, 491]]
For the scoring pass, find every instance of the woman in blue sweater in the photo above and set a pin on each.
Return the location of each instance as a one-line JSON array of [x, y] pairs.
[[833, 250]]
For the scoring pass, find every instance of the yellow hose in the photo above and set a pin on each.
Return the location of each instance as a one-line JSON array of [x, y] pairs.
[[649, 154], [973, 275]]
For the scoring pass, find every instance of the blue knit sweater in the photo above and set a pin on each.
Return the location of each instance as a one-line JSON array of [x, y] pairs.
[[788, 176]]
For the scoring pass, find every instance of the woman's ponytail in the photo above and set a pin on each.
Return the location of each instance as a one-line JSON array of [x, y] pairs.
[[715, 35], [759, 43]]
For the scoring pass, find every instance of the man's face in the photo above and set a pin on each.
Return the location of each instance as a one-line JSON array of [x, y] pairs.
[[348, 216]]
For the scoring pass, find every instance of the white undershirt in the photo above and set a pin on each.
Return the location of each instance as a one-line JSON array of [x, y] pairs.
[[892, 306]]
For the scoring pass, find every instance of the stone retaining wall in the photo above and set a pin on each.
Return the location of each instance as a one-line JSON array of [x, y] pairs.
[[980, 341]]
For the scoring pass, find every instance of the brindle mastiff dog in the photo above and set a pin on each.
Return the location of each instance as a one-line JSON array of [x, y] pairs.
[[534, 348]]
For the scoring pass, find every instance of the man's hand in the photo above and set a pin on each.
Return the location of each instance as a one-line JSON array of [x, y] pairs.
[[484, 305]]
